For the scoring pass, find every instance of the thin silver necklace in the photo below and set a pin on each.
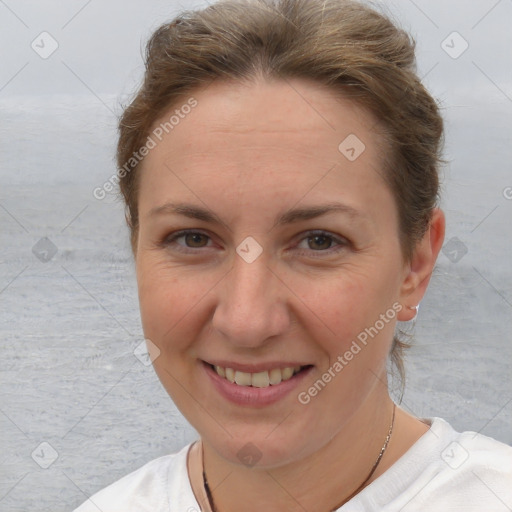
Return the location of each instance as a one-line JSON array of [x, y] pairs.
[[379, 458]]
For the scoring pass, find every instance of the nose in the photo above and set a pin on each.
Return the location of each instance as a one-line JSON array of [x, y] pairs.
[[251, 309]]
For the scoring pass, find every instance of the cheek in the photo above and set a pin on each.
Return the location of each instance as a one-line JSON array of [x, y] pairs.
[[341, 303], [347, 319], [167, 301]]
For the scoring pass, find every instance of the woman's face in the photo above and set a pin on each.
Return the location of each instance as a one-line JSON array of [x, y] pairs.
[[259, 285]]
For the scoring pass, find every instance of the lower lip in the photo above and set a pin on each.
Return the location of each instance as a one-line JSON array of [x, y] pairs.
[[252, 396]]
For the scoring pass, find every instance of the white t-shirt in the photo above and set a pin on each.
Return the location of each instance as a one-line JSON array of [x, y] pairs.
[[443, 471]]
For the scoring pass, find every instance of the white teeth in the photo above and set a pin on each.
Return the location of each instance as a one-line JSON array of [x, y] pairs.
[[243, 379], [230, 374], [287, 373], [260, 379], [275, 376]]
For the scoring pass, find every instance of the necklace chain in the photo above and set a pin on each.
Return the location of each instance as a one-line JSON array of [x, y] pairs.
[[382, 450]]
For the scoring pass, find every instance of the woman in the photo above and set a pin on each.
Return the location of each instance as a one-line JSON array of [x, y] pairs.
[[280, 170]]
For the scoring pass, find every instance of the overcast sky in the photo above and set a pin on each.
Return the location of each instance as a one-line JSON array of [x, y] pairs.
[[100, 41]]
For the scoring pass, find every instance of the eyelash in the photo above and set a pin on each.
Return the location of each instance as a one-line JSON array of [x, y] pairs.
[[343, 242]]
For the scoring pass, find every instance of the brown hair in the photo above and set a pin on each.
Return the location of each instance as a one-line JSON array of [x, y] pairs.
[[343, 44]]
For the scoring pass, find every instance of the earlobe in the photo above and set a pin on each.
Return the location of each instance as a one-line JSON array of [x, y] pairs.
[[421, 266], [411, 310]]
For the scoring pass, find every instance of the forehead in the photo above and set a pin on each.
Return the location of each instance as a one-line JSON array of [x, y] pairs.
[[289, 136], [293, 108]]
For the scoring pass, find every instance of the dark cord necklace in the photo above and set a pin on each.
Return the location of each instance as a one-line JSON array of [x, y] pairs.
[[208, 493], [383, 449]]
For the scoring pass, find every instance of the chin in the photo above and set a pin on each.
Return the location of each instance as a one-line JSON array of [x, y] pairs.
[[253, 447]]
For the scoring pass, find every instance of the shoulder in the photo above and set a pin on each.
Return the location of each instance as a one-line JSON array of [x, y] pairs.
[[470, 451], [446, 471], [473, 470], [149, 488]]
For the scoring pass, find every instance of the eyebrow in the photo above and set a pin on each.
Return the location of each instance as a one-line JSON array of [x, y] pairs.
[[288, 217]]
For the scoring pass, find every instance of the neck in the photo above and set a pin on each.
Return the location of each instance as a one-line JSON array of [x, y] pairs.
[[322, 481]]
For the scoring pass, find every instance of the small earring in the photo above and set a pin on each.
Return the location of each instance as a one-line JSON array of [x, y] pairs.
[[417, 308]]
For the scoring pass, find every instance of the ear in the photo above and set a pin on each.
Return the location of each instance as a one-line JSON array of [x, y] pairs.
[[419, 270]]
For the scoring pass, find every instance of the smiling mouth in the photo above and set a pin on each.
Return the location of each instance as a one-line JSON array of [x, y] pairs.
[[262, 379]]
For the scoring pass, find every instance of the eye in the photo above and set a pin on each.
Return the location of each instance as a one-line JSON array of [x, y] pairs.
[[322, 242], [193, 240], [317, 242]]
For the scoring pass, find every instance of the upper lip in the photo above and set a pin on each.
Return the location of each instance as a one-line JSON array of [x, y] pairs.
[[255, 367]]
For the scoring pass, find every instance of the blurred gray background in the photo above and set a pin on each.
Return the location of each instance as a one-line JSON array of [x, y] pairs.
[[78, 409]]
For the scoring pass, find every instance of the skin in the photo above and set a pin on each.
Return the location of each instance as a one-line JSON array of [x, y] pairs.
[[248, 153]]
